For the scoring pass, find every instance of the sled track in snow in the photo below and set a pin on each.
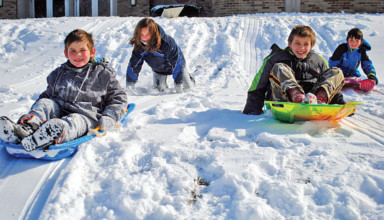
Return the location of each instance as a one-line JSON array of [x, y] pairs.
[[366, 125], [30, 181], [145, 102], [248, 45]]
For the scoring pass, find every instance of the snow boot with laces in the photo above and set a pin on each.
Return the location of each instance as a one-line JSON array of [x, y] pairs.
[[14, 133], [51, 132]]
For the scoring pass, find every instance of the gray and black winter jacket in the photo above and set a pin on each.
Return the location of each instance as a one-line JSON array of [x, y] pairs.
[[92, 90]]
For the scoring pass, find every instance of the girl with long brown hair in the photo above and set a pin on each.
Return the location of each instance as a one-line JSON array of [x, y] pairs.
[[161, 53]]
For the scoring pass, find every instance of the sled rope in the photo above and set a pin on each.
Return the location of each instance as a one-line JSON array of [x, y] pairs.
[[101, 132]]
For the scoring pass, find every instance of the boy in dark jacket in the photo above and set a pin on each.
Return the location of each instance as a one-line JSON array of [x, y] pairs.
[[291, 73], [348, 56], [80, 96], [162, 54]]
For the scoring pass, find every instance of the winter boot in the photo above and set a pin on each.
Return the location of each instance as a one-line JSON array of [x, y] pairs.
[[188, 83], [28, 120], [51, 132], [179, 88], [14, 133], [296, 95], [188, 80], [160, 82], [131, 89], [321, 96], [7, 130]]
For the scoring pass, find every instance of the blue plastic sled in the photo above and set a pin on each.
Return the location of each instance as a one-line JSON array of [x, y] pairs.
[[54, 152]]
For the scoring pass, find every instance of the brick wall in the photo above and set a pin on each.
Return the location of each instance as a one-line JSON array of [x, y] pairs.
[[233, 7], [104, 8], [348, 6], [141, 9], [9, 9]]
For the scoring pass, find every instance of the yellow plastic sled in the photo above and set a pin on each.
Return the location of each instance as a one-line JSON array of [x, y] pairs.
[[290, 112]]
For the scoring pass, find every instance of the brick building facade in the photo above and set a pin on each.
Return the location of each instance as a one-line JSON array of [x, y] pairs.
[[12, 9], [347, 6], [9, 9]]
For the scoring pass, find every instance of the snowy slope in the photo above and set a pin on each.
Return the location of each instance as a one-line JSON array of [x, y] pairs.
[[194, 155]]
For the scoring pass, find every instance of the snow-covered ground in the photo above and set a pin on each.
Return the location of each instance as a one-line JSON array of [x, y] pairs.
[[195, 155]]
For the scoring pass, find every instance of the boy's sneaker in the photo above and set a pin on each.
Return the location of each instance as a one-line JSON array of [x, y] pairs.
[[13, 133], [310, 98], [51, 132], [296, 95]]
